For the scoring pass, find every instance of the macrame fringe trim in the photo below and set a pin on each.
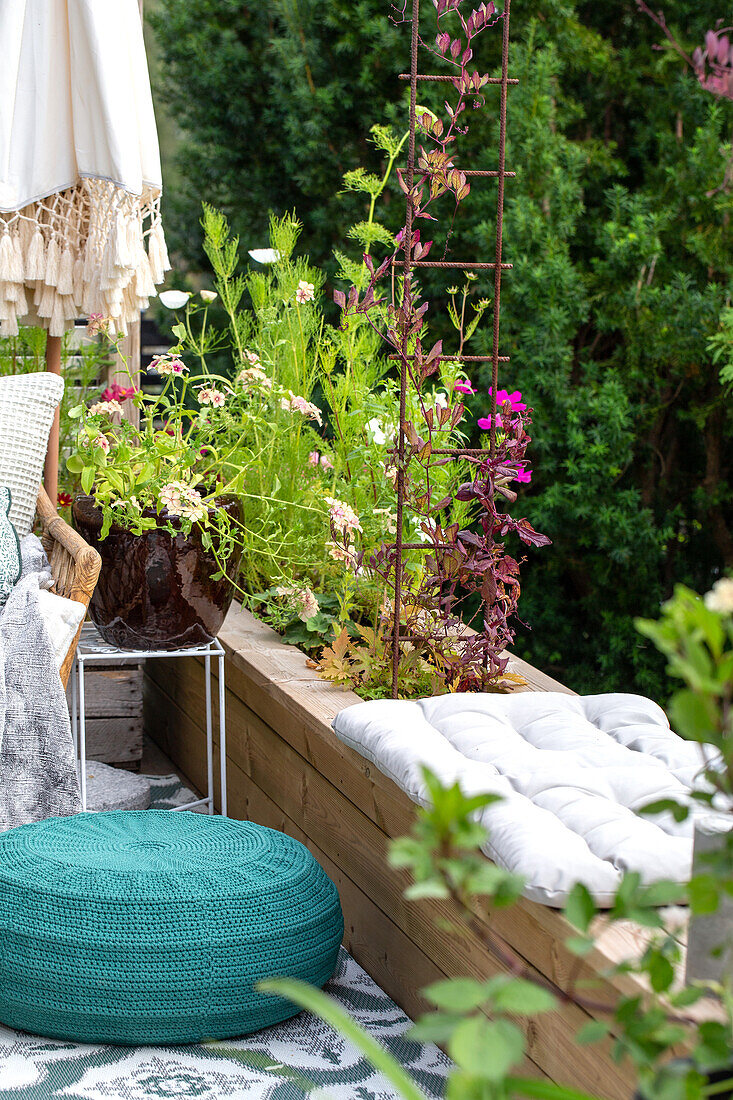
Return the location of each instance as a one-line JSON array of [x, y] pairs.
[[92, 248]]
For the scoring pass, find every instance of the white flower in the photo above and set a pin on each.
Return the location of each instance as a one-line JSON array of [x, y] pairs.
[[193, 507], [342, 553], [209, 395], [182, 500], [208, 295], [305, 292], [174, 299], [101, 441], [720, 597], [376, 431], [264, 255], [308, 605], [254, 376], [302, 600], [170, 497], [390, 472], [390, 519], [441, 401], [106, 408], [420, 534]]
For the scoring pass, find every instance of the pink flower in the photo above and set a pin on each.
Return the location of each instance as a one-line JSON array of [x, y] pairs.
[[252, 358], [514, 400], [118, 393], [464, 386], [326, 463], [101, 441], [209, 395], [523, 475], [485, 423], [313, 458], [343, 517], [305, 292], [295, 403], [165, 364], [97, 323]]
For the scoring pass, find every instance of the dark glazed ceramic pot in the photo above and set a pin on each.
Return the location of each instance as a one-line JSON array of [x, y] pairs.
[[155, 591]]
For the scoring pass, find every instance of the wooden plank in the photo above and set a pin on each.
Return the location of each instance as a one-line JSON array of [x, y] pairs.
[[113, 707], [353, 841], [115, 740], [112, 692], [127, 364]]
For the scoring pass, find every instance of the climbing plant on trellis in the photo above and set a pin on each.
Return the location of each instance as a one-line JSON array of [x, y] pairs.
[[466, 566]]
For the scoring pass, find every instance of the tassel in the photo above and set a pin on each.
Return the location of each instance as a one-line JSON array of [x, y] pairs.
[[35, 264], [21, 306], [6, 259], [68, 306], [65, 283], [9, 326], [46, 300], [155, 257], [13, 291], [52, 264], [17, 264], [57, 324], [121, 255], [26, 229], [78, 280]]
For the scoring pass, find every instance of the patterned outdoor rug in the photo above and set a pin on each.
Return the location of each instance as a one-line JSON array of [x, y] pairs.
[[293, 1061]]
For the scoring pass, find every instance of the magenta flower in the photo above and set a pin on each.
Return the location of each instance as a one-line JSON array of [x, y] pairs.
[[115, 392], [523, 475], [464, 386], [485, 423], [514, 400]]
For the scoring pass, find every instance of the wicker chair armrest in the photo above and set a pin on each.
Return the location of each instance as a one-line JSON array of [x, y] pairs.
[[74, 563]]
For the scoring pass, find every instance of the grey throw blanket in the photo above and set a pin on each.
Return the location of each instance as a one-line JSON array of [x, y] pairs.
[[38, 776]]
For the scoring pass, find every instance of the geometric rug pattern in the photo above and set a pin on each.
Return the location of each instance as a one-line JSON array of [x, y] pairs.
[[300, 1059]]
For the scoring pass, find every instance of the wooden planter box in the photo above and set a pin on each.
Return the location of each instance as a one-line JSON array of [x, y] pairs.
[[288, 770]]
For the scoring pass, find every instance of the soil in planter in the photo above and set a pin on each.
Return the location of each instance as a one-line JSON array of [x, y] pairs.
[[155, 590]]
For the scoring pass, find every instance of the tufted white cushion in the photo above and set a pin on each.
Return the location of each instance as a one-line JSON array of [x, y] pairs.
[[572, 771], [27, 405]]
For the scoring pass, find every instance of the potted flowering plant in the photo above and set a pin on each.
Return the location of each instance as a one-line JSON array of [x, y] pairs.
[[163, 502]]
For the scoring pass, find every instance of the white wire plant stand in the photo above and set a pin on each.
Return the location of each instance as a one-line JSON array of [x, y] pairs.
[[92, 648]]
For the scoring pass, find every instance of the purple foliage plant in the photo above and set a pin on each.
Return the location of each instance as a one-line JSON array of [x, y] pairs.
[[468, 577]]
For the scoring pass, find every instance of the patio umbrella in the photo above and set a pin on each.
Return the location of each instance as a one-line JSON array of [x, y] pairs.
[[80, 178]]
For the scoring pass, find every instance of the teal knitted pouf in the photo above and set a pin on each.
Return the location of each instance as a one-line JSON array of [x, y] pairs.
[[154, 926]]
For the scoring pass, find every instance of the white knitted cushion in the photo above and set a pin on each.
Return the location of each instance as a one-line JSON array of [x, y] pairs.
[[27, 405], [572, 772]]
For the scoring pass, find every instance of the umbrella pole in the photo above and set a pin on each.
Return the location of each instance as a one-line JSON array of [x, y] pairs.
[[51, 469]]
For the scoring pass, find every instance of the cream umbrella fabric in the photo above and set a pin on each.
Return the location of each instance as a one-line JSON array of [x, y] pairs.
[[80, 178]]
